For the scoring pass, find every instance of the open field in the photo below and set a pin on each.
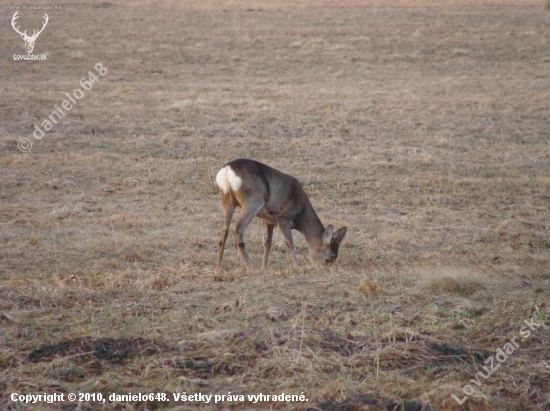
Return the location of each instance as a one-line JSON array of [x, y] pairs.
[[421, 126]]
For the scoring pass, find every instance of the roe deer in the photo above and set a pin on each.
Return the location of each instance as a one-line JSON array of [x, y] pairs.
[[279, 200]]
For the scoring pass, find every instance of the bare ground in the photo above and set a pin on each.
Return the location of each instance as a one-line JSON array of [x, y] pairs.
[[422, 126]]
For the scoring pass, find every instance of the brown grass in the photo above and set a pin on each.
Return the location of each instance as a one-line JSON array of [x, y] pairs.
[[422, 126], [452, 281]]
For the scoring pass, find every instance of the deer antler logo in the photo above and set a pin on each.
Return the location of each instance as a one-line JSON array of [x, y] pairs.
[[29, 40]]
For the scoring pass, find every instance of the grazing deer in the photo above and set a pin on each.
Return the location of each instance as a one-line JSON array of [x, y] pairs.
[[29, 40], [278, 199]]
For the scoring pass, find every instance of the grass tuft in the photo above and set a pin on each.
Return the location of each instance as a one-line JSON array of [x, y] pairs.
[[452, 281], [369, 288]]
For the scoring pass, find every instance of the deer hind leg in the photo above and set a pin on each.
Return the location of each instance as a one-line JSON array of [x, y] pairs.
[[284, 226], [247, 214], [228, 210], [267, 244]]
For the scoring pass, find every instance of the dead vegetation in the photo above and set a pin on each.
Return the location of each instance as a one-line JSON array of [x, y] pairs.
[[421, 126]]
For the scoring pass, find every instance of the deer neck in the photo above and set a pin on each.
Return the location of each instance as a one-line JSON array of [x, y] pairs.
[[310, 225]]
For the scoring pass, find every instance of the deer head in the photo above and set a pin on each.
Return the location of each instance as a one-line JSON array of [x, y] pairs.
[[29, 40]]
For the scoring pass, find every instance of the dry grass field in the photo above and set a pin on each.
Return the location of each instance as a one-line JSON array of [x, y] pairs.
[[420, 125]]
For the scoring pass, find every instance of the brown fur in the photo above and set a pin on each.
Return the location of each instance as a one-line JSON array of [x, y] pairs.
[[279, 200]]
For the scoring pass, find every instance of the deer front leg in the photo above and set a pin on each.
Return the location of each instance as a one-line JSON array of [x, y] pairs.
[[284, 226], [267, 244]]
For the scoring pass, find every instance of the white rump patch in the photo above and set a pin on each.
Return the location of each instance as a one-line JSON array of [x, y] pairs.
[[227, 180]]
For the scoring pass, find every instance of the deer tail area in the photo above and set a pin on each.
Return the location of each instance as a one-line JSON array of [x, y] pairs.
[[227, 180]]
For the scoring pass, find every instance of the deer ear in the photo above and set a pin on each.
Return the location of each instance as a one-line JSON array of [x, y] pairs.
[[339, 235], [328, 234], [23, 36]]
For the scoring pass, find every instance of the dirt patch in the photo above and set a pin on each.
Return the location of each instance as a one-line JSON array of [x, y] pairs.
[[107, 349], [332, 341], [408, 406], [458, 353], [359, 403]]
